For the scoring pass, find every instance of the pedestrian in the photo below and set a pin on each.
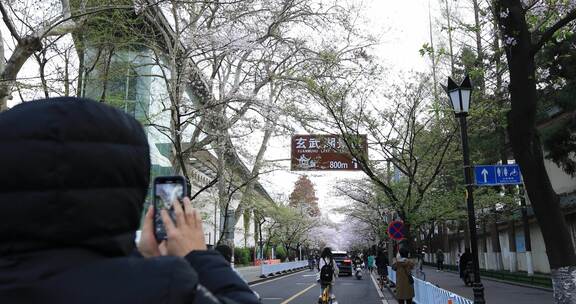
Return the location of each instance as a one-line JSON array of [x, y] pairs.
[[465, 258], [404, 279], [74, 177], [370, 263], [458, 261], [440, 260], [423, 256], [419, 259], [328, 273]]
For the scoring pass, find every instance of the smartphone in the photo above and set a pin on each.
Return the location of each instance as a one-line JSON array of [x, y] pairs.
[[167, 190]]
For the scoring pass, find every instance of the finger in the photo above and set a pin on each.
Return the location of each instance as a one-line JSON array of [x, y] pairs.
[[188, 211], [179, 213], [163, 248], [197, 219], [168, 223], [148, 221]]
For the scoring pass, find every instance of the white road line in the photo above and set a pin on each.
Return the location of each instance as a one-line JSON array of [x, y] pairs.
[[376, 286]]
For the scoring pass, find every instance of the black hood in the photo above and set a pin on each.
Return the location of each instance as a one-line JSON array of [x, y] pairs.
[[74, 174]]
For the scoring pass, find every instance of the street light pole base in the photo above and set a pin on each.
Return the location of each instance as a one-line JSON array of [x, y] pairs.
[[478, 289]]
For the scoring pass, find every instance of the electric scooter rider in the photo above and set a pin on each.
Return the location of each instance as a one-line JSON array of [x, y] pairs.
[[358, 265]]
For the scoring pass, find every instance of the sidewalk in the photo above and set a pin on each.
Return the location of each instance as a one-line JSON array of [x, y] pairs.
[[494, 292], [249, 273]]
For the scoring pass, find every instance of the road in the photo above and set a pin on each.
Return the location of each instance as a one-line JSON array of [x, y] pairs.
[[302, 288], [494, 292]]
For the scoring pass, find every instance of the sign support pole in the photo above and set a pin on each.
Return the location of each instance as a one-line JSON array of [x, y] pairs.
[[477, 287]]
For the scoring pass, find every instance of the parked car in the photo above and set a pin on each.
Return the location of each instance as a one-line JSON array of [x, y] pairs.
[[343, 261]]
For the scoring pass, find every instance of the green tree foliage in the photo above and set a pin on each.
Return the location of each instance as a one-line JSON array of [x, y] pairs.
[[280, 253], [557, 88], [242, 256]]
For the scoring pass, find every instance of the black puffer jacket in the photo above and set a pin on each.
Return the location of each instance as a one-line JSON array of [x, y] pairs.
[[73, 177]]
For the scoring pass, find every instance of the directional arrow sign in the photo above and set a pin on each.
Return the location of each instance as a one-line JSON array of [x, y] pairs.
[[497, 175], [485, 175]]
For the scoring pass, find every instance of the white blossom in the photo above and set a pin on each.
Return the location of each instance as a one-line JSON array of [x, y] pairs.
[[510, 40]]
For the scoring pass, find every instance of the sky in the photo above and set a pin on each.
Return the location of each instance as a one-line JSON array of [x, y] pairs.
[[403, 28]]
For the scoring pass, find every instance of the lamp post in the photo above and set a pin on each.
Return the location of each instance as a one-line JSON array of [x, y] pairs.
[[460, 100]]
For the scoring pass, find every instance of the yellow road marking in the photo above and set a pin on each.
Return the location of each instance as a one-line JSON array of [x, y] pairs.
[[299, 294]]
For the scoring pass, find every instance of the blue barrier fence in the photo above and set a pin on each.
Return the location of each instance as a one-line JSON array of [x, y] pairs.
[[273, 269]]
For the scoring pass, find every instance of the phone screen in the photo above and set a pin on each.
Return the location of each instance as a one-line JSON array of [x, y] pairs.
[[166, 193]]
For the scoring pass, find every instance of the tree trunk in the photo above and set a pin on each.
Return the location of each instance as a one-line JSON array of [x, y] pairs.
[[67, 73], [484, 256], [436, 104], [24, 49], [408, 240], [513, 258], [41, 59], [450, 41], [479, 51], [466, 236], [223, 199], [445, 238], [106, 74], [526, 229], [495, 238], [528, 150]]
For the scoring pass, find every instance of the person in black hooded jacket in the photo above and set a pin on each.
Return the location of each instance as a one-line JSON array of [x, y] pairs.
[[74, 175]]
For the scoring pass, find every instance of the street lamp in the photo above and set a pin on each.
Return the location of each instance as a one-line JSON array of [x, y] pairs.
[[460, 100]]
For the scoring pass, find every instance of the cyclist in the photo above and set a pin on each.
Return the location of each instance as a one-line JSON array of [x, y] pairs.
[[311, 261], [382, 266], [328, 273]]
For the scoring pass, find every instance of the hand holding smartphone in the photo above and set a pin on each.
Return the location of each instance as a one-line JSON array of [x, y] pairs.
[[167, 191], [171, 214]]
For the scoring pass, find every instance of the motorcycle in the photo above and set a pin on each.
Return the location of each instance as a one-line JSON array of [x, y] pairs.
[[358, 272]]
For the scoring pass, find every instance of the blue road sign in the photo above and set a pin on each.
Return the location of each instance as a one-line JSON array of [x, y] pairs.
[[497, 175], [485, 175]]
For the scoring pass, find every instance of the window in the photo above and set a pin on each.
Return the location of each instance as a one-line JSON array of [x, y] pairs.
[[122, 90]]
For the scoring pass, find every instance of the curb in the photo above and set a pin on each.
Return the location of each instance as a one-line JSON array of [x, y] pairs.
[[277, 276], [518, 284], [510, 282]]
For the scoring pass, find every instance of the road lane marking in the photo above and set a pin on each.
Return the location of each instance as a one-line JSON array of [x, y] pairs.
[[377, 287], [299, 294], [272, 280]]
